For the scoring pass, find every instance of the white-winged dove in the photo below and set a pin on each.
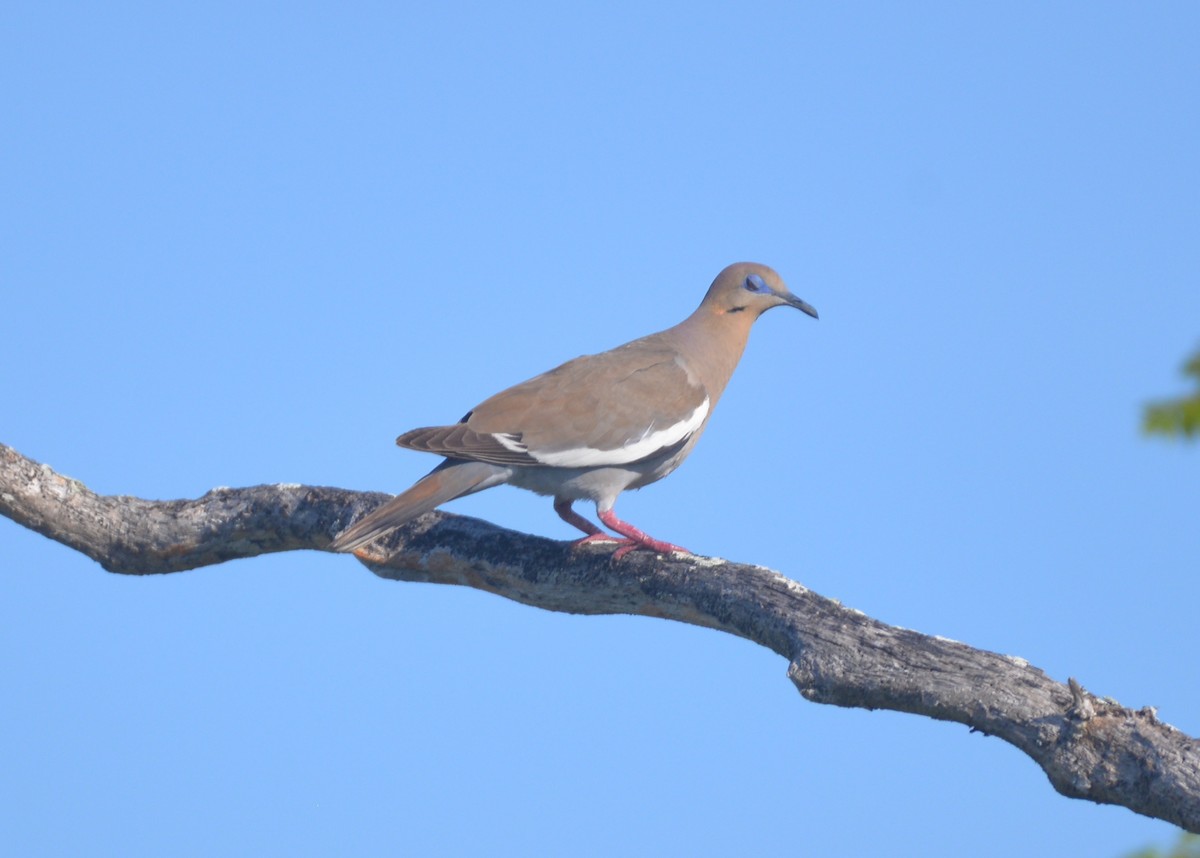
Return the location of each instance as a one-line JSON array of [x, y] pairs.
[[597, 425]]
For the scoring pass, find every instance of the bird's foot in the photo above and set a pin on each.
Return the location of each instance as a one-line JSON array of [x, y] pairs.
[[648, 544], [636, 540], [625, 544], [598, 536]]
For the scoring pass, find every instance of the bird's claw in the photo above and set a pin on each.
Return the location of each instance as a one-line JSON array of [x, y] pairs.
[[626, 545], [649, 545]]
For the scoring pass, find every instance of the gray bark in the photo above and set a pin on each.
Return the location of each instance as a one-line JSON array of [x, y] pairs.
[[1089, 747]]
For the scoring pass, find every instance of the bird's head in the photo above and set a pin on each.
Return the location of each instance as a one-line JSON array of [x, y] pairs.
[[750, 288]]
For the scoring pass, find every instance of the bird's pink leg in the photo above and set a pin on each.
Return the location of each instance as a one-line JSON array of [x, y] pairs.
[[562, 506], [634, 538]]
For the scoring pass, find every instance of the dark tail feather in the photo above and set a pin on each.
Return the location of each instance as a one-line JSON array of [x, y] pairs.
[[449, 480]]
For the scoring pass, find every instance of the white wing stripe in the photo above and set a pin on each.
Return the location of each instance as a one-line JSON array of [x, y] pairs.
[[509, 442], [587, 457]]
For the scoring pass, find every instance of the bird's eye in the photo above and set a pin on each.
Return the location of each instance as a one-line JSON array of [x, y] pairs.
[[754, 283]]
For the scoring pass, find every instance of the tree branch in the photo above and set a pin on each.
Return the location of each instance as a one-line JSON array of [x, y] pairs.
[[1089, 747]]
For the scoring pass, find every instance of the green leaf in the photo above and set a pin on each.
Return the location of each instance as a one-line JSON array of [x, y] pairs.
[[1176, 418]]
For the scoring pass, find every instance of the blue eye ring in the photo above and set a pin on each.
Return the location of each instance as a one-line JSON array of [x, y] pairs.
[[754, 283]]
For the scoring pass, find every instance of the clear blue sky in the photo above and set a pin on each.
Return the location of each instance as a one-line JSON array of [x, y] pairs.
[[245, 244]]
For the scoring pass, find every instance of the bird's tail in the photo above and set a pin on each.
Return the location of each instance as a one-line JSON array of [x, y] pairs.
[[449, 480]]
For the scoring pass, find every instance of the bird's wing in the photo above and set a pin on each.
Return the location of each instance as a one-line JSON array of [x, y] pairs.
[[614, 408]]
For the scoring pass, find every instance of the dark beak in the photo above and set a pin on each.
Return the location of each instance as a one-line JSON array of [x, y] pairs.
[[802, 306]]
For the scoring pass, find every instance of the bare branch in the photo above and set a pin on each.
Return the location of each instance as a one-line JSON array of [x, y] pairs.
[[1089, 747]]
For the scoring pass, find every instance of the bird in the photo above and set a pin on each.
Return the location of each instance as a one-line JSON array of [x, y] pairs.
[[597, 425]]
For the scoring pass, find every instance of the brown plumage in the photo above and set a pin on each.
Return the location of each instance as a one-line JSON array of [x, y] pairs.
[[597, 425]]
